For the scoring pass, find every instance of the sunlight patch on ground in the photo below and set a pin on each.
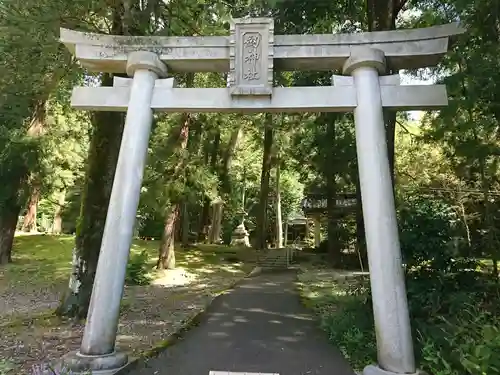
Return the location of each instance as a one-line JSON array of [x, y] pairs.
[[33, 283], [232, 268], [21, 234], [207, 270], [129, 338], [322, 289], [145, 322], [262, 311], [176, 277]]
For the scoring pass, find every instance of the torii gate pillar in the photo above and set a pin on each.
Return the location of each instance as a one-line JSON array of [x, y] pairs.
[[97, 351], [390, 306]]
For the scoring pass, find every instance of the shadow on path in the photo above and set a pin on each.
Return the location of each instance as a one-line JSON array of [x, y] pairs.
[[260, 326]]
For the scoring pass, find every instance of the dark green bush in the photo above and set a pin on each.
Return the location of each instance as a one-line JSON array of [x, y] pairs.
[[454, 333], [427, 228], [466, 343], [151, 226], [450, 302], [454, 307], [138, 269]]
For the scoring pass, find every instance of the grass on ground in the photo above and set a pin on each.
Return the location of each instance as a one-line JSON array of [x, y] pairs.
[[455, 322], [337, 297], [30, 289]]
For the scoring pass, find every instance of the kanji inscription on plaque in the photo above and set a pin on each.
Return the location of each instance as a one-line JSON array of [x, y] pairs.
[[251, 44]]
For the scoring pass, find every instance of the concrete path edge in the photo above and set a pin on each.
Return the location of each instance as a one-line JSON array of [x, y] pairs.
[[190, 323]]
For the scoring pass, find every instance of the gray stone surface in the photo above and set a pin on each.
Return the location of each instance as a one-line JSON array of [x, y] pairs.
[[100, 329], [260, 326], [390, 306], [103, 365], [404, 49], [240, 236], [284, 99], [375, 370], [251, 55]]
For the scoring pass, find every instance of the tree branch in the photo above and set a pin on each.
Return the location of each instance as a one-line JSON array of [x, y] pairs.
[[404, 128]]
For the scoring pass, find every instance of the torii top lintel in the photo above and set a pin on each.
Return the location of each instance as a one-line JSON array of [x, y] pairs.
[[403, 49]]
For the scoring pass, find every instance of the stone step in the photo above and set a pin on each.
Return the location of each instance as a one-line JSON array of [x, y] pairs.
[[275, 259], [273, 264]]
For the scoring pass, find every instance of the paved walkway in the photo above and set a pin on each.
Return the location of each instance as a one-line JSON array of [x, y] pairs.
[[259, 327]]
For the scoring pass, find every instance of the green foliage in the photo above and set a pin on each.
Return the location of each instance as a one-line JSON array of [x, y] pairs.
[[426, 231], [138, 269], [455, 321], [350, 325], [65, 145], [28, 38], [6, 366], [150, 225], [468, 344], [452, 298], [45, 260]]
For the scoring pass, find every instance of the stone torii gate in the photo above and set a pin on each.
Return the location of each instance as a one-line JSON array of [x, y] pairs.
[[250, 54]]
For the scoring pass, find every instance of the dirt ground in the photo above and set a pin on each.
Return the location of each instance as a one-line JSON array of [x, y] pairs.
[[31, 334]]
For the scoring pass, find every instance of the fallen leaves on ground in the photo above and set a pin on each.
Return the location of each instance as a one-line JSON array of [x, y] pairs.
[[149, 315]]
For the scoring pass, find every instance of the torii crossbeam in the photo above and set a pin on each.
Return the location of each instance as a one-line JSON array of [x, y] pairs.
[[403, 49], [342, 98], [250, 55]]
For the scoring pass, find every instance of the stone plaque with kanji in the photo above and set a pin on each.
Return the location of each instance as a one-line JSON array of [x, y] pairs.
[[251, 56]]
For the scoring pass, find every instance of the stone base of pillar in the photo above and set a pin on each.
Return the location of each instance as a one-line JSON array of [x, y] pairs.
[[240, 236], [107, 364], [375, 370]]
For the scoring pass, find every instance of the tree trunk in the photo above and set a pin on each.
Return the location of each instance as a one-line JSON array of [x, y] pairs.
[[279, 219], [215, 230], [261, 219], [57, 222], [382, 14], [36, 129], [360, 226], [9, 215], [330, 173], [166, 252], [463, 214], [390, 134], [8, 223], [194, 148], [29, 222], [185, 225], [178, 223], [215, 235], [102, 159], [107, 130], [12, 198], [205, 220], [204, 226], [228, 158], [333, 243]]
